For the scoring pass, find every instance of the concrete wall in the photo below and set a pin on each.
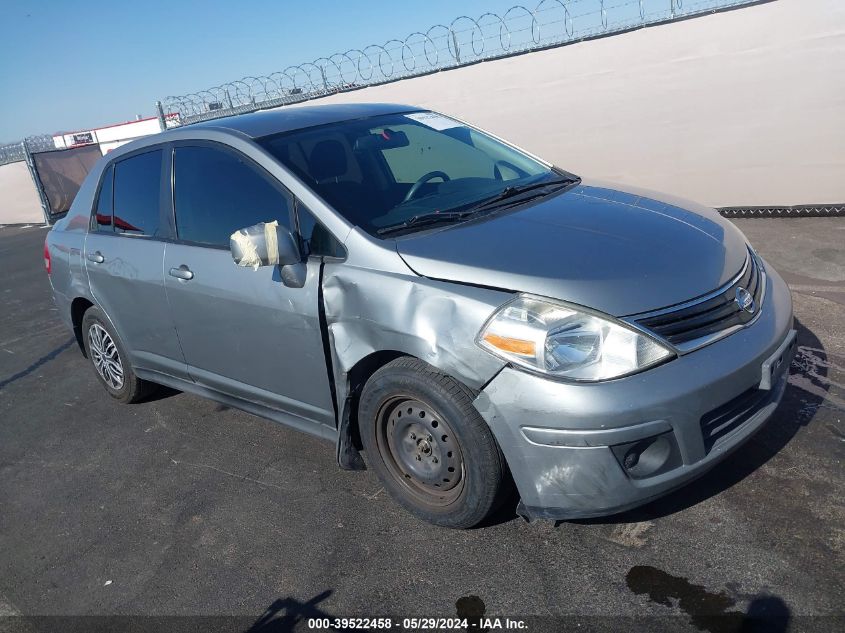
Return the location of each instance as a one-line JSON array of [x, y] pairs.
[[19, 202], [741, 108], [745, 107]]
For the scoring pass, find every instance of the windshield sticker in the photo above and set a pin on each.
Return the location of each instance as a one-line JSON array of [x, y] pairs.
[[433, 120]]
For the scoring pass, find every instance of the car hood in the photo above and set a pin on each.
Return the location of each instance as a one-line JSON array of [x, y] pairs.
[[620, 251]]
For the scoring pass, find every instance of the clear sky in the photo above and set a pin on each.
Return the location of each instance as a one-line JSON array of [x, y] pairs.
[[69, 65]]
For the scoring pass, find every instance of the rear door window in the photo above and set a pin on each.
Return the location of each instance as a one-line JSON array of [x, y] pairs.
[[137, 191], [217, 192]]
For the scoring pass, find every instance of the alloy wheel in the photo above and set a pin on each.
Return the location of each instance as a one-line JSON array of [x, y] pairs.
[[105, 356]]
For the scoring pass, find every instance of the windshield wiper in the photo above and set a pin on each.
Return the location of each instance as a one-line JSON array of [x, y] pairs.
[[436, 217], [516, 190]]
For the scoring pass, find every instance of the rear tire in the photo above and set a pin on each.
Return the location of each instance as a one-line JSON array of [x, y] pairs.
[[109, 359], [429, 446]]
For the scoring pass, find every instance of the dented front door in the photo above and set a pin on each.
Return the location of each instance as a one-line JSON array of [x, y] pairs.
[[245, 333], [242, 331]]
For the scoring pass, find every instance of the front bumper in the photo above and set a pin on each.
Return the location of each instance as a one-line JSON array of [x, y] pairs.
[[565, 443]]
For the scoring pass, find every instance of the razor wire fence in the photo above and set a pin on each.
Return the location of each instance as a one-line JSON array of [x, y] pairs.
[[465, 40]]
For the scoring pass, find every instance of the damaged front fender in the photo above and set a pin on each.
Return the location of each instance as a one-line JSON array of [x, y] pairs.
[[370, 311]]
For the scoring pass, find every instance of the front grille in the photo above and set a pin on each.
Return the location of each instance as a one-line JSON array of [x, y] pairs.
[[711, 315], [722, 420]]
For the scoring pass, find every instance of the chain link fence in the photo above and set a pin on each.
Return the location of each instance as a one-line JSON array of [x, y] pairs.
[[14, 152], [465, 40], [56, 174]]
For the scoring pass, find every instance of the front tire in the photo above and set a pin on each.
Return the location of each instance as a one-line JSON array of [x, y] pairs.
[[429, 446], [109, 359]]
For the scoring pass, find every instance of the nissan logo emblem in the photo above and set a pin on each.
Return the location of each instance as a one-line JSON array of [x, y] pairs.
[[744, 300]]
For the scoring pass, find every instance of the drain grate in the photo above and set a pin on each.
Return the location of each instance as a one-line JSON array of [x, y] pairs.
[[808, 210]]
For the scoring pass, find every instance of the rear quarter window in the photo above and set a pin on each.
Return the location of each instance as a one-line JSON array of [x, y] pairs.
[[102, 220]]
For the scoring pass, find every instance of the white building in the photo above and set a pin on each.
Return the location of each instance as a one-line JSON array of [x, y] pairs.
[[112, 136]]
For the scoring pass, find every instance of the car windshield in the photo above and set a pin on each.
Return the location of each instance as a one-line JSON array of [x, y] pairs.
[[388, 170]]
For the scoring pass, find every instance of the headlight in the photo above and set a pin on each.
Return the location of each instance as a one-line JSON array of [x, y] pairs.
[[563, 342]]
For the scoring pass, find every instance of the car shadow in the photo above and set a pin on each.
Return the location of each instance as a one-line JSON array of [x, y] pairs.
[[4, 382], [160, 393], [797, 410]]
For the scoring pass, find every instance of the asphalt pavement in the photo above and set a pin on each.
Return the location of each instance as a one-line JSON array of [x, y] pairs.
[[181, 506]]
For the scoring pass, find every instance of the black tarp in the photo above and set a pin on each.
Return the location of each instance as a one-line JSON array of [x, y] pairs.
[[62, 172]]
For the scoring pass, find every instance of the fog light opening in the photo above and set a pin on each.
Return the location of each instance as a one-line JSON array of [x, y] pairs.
[[632, 458], [648, 457]]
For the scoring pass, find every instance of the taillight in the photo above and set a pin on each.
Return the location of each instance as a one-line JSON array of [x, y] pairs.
[[47, 263]]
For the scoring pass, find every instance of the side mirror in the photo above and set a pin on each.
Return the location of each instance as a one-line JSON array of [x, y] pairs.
[[268, 244]]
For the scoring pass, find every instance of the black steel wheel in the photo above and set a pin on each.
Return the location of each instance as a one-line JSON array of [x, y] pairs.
[[421, 451], [429, 446]]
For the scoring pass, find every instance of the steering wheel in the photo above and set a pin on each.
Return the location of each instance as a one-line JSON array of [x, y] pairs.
[[412, 192], [497, 174]]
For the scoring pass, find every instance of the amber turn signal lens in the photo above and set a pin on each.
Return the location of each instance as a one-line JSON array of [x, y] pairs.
[[512, 345]]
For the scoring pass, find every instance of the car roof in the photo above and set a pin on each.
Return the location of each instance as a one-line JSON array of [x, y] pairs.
[[291, 118]]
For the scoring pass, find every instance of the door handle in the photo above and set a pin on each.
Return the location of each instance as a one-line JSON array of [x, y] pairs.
[[183, 272], [96, 257]]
